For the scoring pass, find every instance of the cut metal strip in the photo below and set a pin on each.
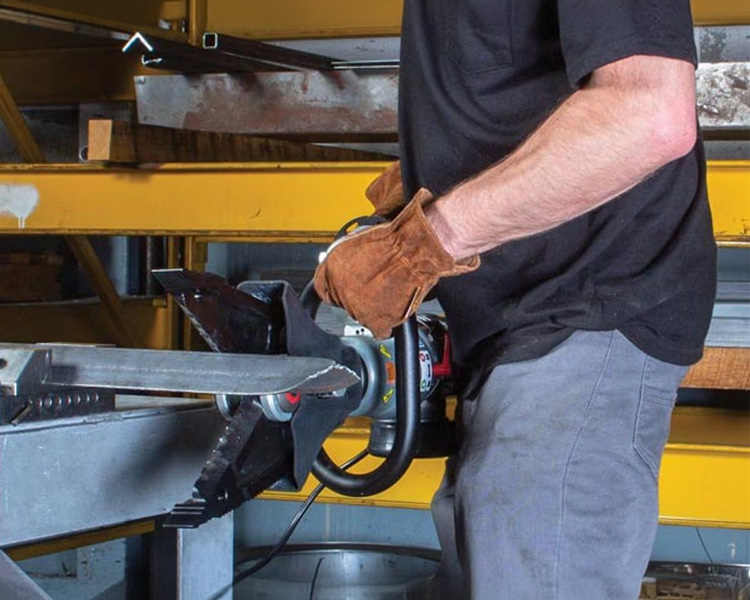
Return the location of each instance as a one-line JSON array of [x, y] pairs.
[[189, 372]]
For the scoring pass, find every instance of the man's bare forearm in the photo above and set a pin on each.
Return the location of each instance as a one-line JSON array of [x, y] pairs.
[[629, 120]]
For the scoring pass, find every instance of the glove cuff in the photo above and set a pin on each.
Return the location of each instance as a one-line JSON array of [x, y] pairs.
[[386, 193], [416, 241]]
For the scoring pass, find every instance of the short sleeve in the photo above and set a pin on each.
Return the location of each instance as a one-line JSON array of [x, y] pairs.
[[595, 33]]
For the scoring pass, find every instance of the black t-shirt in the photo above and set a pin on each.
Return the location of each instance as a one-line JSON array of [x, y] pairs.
[[477, 77]]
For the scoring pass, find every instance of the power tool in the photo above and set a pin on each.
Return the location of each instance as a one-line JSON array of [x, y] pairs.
[[274, 441]]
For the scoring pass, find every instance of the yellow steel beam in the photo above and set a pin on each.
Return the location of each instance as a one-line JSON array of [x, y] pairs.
[[312, 200], [70, 76], [304, 201], [721, 12], [340, 18], [303, 19], [706, 470], [87, 322], [705, 476], [122, 17], [729, 192]]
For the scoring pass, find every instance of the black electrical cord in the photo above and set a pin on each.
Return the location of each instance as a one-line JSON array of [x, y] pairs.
[[284, 539], [705, 548]]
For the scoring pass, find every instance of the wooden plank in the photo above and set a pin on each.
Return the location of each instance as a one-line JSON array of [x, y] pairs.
[[122, 142], [721, 369]]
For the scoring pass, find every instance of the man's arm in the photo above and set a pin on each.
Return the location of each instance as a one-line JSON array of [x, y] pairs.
[[630, 118]]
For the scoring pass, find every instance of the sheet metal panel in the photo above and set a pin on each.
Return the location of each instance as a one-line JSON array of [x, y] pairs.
[[355, 103]]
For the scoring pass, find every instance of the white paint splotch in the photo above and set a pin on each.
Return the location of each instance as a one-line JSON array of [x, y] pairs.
[[19, 201]]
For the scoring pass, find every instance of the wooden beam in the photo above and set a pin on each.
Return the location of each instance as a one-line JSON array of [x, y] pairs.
[[721, 369], [121, 142]]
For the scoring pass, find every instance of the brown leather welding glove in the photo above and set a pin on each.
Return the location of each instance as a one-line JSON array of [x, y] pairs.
[[380, 275], [387, 192]]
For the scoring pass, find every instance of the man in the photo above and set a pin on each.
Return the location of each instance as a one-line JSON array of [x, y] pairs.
[[557, 140]]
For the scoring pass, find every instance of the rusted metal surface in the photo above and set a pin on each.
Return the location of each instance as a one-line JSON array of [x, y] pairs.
[[317, 105], [724, 95], [329, 106]]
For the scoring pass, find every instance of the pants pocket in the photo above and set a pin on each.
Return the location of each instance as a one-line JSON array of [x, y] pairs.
[[658, 395]]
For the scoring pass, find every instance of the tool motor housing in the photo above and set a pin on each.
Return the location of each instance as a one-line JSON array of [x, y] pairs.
[[436, 382], [379, 397]]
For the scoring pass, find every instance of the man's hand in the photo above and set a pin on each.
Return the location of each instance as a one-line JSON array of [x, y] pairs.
[[382, 274]]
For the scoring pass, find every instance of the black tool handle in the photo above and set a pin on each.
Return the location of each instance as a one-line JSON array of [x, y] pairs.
[[407, 418]]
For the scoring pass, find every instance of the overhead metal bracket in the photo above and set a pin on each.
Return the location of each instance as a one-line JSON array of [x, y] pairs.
[[168, 55], [278, 57]]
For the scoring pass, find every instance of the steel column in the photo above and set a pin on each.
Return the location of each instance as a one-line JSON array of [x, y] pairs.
[[194, 564], [197, 17]]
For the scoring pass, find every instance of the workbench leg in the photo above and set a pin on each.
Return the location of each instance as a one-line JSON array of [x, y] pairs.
[[193, 564], [15, 584]]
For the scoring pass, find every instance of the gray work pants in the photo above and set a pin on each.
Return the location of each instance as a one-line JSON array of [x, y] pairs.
[[553, 494]]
